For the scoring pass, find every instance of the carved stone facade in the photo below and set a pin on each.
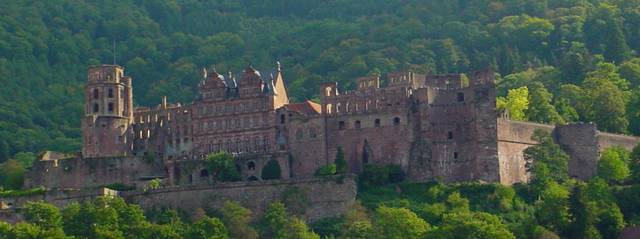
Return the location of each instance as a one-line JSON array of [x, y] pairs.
[[443, 127]]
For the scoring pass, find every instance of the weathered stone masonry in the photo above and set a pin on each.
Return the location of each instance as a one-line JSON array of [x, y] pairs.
[[443, 127]]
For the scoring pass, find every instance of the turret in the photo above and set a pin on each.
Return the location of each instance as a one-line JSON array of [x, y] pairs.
[[108, 112]]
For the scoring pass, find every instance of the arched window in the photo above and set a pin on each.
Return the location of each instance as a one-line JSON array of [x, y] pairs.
[[396, 121], [96, 94], [358, 125], [327, 91], [251, 165], [204, 173]]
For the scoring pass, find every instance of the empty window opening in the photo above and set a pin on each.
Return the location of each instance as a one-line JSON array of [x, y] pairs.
[[204, 173], [396, 121], [341, 125], [251, 166], [358, 124], [460, 97], [282, 119], [377, 122], [455, 155], [449, 135]]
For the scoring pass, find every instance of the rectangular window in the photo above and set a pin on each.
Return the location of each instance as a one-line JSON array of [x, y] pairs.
[[110, 93], [110, 107], [460, 97], [455, 155], [341, 125], [377, 123], [450, 135]]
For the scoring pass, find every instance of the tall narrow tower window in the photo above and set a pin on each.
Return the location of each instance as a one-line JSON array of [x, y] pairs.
[[95, 94], [96, 108]]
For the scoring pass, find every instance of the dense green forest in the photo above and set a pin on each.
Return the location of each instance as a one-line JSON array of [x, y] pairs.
[[563, 60]]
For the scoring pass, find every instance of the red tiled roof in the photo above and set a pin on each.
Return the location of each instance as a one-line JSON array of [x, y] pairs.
[[307, 107]]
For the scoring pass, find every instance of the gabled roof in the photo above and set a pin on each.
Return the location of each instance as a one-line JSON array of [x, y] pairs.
[[308, 107]]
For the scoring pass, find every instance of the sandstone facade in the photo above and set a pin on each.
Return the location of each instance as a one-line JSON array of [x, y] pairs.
[[443, 127]]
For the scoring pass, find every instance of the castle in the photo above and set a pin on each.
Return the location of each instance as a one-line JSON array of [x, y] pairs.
[[443, 127]]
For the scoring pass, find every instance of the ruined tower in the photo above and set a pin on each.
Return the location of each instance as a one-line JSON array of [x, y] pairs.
[[108, 112]]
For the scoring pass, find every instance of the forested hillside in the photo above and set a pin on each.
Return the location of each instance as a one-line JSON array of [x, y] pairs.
[[559, 61]]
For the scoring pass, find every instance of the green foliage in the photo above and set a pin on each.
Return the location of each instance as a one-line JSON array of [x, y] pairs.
[[209, 228], [376, 175], [223, 166], [540, 108], [546, 160], [396, 223], [516, 102], [154, 183], [236, 219], [11, 175], [282, 226], [326, 170], [22, 192], [471, 225], [45, 216], [613, 164], [271, 170]]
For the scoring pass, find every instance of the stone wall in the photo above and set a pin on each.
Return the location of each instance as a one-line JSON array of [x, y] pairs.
[[580, 142], [328, 197], [323, 197], [93, 172], [513, 138]]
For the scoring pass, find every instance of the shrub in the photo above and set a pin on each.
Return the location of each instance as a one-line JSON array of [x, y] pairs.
[[377, 175], [329, 169], [223, 166]]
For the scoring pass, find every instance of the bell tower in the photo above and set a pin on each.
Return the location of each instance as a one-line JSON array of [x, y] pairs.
[[108, 113]]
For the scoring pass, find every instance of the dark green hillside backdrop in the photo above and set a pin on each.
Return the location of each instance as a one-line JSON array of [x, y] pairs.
[[577, 57]]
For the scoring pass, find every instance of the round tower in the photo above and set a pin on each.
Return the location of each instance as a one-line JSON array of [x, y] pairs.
[[108, 112]]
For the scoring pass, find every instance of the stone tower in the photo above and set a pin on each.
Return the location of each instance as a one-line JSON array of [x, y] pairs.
[[108, 113]]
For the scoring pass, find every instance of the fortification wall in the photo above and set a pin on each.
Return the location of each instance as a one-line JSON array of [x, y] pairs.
[[327, 197], [513, 138], [93, 172], [606, 140]]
